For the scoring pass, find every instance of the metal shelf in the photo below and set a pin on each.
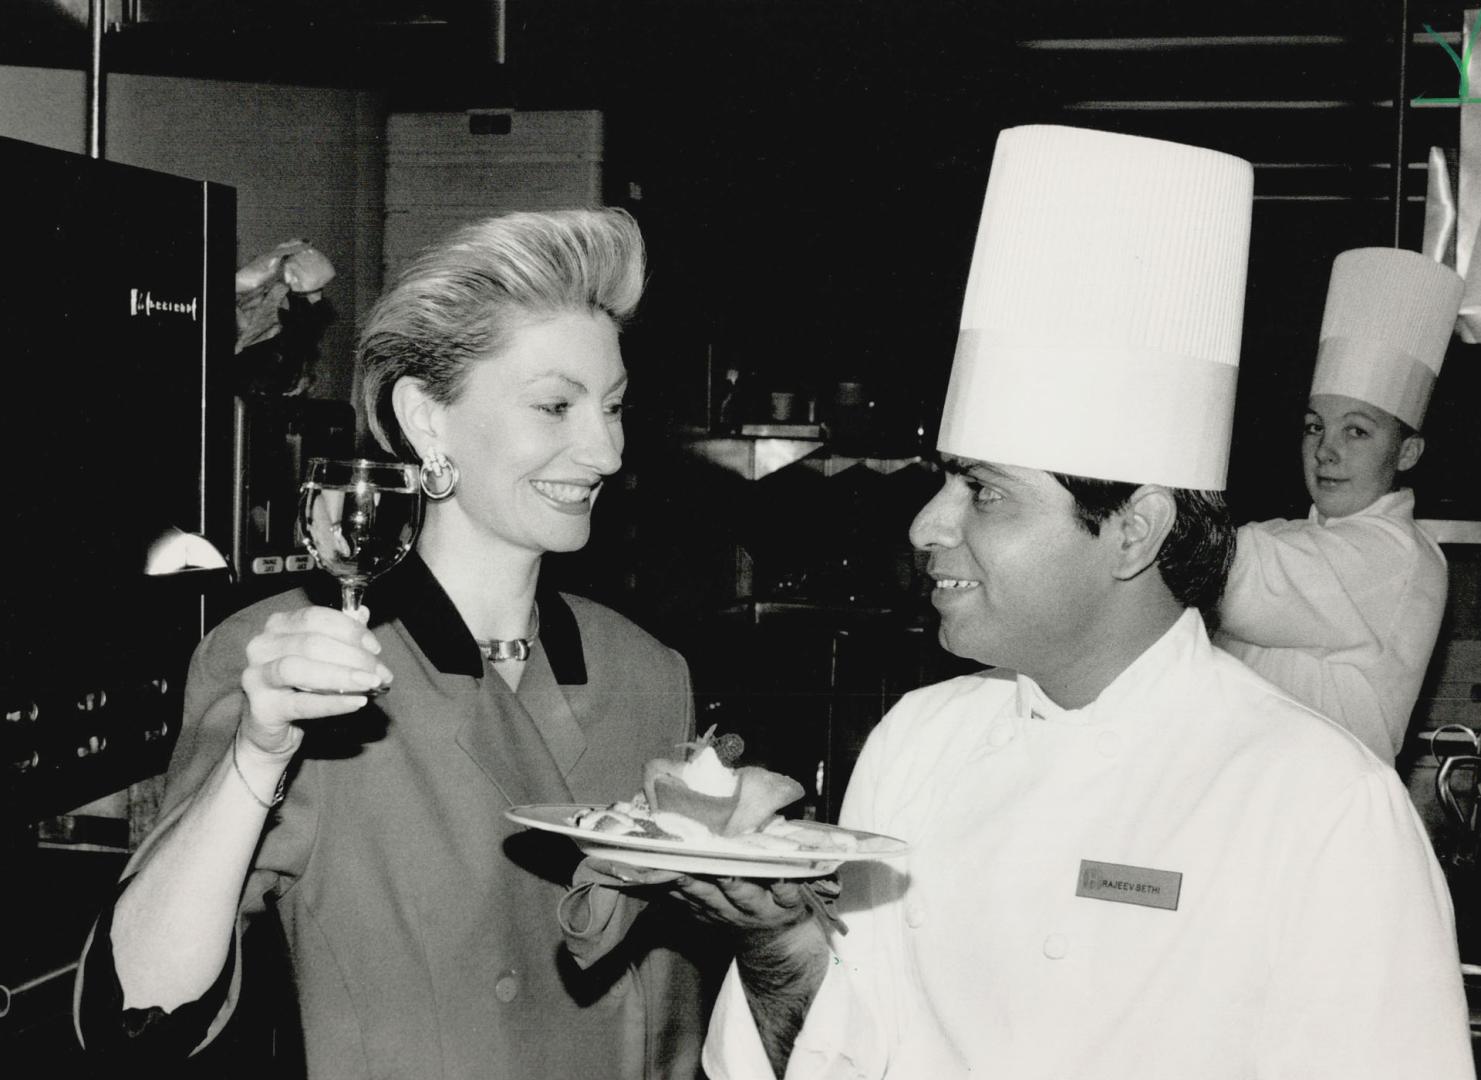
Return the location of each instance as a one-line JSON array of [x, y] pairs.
[[755, 457], [1451, 532]]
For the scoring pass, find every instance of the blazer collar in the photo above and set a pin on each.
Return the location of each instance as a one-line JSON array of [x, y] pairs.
[[412, 594]]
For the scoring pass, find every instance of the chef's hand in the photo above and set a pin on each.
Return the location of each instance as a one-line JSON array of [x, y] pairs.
[[743, 903], [298, 653], [781, 951]]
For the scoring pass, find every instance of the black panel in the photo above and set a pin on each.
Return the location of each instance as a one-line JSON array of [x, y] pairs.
[[116, 432]]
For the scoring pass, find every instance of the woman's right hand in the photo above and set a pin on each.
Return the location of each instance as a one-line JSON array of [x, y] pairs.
[[304, 665]]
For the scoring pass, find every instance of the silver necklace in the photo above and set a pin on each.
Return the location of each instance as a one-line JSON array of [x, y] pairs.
[[496, 651]]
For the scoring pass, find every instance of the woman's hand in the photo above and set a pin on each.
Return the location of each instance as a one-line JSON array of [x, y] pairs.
[[307, 664]]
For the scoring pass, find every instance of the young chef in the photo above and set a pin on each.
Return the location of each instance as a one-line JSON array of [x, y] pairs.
[[1341, 609], [1132, 857]]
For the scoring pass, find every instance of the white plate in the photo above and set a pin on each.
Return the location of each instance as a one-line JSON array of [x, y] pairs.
[[723, 858]]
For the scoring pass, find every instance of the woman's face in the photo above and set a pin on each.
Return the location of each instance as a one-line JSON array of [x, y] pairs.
[[1351, 453], [536, 430]]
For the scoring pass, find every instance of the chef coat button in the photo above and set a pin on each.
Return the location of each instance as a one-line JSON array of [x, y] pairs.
[[1001, 735], [619, 989], [915, 915], [1109, 744], [507, 988], [1055, 946]]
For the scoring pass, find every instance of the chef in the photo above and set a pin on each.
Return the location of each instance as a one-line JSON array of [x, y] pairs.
[[1341, 608], [1129, 855]]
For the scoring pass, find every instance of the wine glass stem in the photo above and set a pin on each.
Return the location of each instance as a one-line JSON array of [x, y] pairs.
[[350, 593]]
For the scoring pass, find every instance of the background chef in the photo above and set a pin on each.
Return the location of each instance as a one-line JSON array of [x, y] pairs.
[[1133, 857], [1341, 609]]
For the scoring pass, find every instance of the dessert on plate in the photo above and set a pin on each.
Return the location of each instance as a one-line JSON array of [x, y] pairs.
[[706, 798]]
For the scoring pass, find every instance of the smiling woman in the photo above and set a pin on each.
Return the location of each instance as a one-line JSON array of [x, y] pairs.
[[418, 925], [497, 353], [535, 431]]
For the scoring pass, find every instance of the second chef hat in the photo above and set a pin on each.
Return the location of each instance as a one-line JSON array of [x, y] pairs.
[[1101, 327], [1388, 319]]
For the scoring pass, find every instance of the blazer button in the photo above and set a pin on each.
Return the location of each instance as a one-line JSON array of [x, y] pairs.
[[915, 915], [1000, 735], [1056, 946], [507, 988]]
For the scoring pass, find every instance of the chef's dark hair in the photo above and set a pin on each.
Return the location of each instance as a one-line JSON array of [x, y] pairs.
[[1194, 559], [461, 299]]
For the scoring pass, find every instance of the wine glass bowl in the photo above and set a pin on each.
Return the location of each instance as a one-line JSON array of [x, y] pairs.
[[358, 518]]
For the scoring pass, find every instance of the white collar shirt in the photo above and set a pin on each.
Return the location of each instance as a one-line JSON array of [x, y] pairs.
[[1312, 935], [1342, 614]]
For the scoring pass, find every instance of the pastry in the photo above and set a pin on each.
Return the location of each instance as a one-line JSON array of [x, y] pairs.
[[705, 795]]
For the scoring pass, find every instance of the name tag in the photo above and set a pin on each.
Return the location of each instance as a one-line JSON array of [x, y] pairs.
[[1129, 884]]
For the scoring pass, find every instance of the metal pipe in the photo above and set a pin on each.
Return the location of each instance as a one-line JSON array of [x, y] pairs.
[[95, 18], [7, 994], [1401, 108], [500, 30]]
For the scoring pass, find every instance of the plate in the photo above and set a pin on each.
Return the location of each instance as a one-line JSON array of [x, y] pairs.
[[719, 858]]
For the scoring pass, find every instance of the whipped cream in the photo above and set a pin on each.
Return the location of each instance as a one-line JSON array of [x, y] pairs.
[[706, 774]]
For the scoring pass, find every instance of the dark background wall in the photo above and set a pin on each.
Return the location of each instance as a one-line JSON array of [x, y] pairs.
[[809, 172]]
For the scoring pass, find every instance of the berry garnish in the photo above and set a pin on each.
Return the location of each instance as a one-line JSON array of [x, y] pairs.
[[729, 748]]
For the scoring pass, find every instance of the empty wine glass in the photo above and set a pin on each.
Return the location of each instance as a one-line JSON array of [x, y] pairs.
[[359, 518]]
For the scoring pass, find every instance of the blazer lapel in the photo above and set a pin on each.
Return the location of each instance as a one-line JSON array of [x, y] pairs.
[[505, 741], [550, 708]]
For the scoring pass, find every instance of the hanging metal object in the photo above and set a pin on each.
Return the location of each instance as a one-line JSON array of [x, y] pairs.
[[95, 19]]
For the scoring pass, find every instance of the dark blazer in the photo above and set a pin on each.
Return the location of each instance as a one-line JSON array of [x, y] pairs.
[[420, 921]]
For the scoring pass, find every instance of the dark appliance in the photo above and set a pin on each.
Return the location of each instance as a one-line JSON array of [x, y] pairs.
[[117, 324], [117, 321]]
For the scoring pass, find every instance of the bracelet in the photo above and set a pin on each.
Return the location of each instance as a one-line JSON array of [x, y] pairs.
[[282, 780]]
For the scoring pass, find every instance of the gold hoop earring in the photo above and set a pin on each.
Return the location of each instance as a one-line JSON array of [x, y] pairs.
[[438, 476]]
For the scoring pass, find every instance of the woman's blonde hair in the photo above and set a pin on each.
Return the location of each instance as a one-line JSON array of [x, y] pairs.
[[459, 300]]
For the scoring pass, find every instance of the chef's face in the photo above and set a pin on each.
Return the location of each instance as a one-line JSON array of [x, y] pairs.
[[535, 430], [1351, 453], [1017, 580]]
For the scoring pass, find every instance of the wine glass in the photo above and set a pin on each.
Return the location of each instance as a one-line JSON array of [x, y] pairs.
[[359, 518]]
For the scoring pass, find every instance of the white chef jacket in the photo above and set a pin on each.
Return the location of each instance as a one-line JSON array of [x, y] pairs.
[[1313, 935], [1342, 615]]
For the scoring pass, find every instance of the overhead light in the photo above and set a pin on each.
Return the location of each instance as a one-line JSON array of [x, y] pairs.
[[176, 551]]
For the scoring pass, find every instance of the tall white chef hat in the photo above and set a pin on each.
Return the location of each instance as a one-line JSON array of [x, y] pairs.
[[1388, 318], [1100, 332]]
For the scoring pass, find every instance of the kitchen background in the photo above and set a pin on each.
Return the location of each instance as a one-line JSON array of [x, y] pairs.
[[808, 174]]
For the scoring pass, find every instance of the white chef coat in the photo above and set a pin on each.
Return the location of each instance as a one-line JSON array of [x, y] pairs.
[[1342, 615], [1313, 935]]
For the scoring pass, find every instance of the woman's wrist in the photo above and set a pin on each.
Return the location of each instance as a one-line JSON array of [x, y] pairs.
[[266, 745], [277, 795], [250, 745], [262, 773]]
